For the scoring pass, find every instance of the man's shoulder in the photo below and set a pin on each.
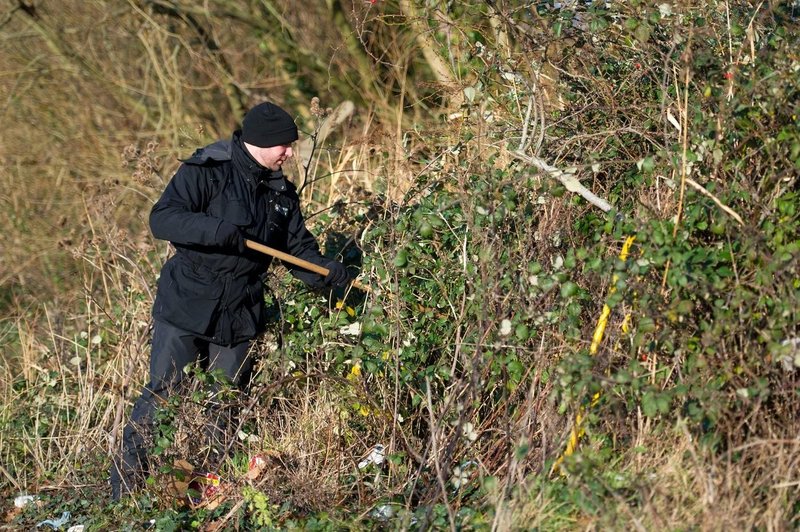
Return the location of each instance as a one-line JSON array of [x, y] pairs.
[[291, 188], [219, 152], [289, 194]]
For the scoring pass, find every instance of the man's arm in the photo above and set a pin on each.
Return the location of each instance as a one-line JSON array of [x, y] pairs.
[[179, 215]]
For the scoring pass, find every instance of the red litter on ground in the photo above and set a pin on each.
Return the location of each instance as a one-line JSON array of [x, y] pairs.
[[256, 466], [204, 488], [260, 462]]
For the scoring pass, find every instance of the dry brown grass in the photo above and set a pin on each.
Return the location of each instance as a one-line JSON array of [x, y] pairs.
[[749, 488], [681, 487]]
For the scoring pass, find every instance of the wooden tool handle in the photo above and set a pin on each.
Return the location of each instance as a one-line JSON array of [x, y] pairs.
[[291, 259]]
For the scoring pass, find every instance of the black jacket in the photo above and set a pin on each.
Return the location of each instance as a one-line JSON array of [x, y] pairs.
[[211, 291]]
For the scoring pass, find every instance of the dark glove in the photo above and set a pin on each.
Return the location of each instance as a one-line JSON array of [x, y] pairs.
[[230, 237], [337, 274]]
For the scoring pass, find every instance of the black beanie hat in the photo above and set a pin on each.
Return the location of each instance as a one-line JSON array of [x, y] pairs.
[[267, 125]]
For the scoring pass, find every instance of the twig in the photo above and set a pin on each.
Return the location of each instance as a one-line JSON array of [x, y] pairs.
[[524, 141], [684, 141], [567, 179], [684, 133], [435, 453], [10, 478], [697, 186], [786, 484], [230, 514], [765, 441]]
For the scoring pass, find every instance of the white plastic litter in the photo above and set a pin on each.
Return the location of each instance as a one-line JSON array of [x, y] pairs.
[[462, 474], [375, 456], [23, 500], [354, 329], [468, 429], [76, 528], [55, 524], [790, 360], [384, 512]]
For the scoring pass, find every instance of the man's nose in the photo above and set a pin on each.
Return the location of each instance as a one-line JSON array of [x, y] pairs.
[[289, 152]]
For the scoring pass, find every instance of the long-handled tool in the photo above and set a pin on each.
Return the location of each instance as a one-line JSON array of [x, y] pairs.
[[291, 259]]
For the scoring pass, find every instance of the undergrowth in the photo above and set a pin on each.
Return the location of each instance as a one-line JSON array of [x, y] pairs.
[[500, 310]]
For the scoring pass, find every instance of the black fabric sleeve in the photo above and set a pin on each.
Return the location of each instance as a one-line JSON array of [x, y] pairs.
[[178, 215]]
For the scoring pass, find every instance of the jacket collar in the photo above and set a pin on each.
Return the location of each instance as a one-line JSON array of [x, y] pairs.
[[251, 170]]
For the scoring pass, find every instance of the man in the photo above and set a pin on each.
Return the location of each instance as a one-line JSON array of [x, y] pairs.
[[209, 304]]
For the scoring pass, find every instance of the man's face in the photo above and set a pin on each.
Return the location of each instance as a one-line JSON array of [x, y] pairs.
[[272, 157]]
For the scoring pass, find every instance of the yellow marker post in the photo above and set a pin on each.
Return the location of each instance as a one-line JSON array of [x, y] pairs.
[[576, 433]]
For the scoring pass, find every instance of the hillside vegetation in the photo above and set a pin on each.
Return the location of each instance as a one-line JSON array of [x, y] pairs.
[[580, 224]]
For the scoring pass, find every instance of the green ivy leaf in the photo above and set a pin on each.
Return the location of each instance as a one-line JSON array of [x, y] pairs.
[[643, 32]]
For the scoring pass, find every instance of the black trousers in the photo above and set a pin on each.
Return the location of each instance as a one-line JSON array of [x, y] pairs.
[[172, 350]]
